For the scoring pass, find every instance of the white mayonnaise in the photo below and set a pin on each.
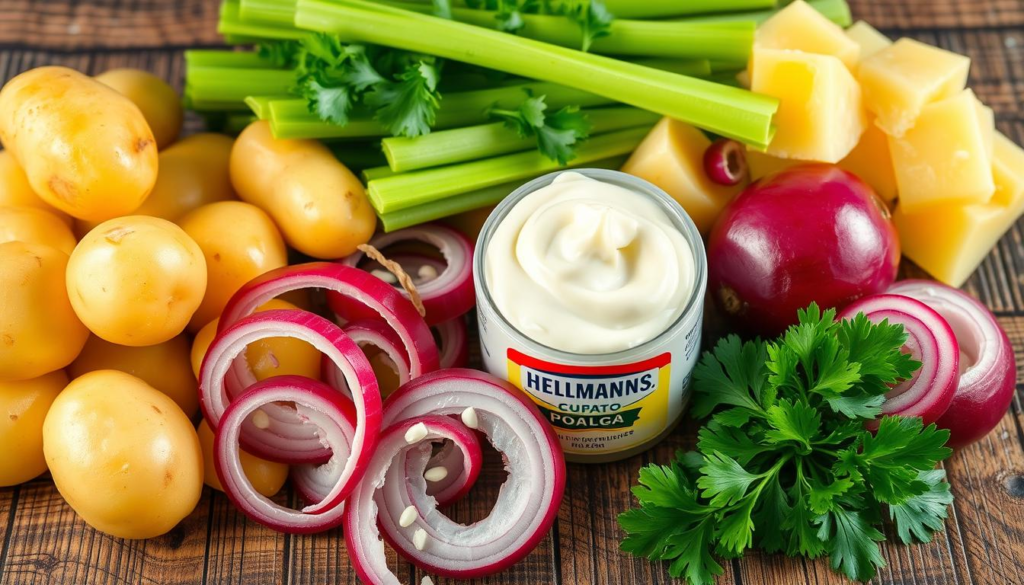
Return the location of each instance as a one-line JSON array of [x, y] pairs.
[[588, 267]]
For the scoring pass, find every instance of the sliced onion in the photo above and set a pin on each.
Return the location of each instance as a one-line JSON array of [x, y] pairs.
[[453, 343], [445, 297], [528, 502], [458, 481], [362, 538], [725, 162], [282, 435], [988, 370], [318, 406], [354, 285], [930, 341], [379, 335]]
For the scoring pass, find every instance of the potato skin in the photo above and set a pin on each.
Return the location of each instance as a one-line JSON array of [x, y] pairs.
[[86, 149], [158, 101]]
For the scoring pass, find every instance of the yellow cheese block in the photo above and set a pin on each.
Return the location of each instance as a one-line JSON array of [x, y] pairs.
[[672, 157], [950, 242], [872, 162], [821, 116], [760, 164], [944, 158], [802, 28], [867, 38], [899, 80]]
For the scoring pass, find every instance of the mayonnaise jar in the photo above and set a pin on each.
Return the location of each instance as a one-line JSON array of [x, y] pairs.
[[590, 287]]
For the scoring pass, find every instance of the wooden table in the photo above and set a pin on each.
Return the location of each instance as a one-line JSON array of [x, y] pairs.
[[42, 541]]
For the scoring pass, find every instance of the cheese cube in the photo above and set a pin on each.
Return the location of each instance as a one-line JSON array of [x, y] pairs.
[[944, 159], [872, 162], [821, 116], [867, 38], [760, 164], [672, 157], [899, 80], [950, 242], [802, 28]]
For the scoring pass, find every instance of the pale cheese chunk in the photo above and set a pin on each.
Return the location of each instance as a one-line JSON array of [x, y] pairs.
[[899, 80], [760, 164], [950, 242], [821, 116], [800, 27], [872, 162], [672, 157], [944, 158], [867, 38]]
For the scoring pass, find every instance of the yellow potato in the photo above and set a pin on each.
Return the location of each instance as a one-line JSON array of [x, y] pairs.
[[166, 366], [85, 148], [240, 242], [123, 455], [136, 280], [320, 206], [39, 332], [157, 101], [267, 477], [31, 224], [16, 192], [23, 406], [274, 356]]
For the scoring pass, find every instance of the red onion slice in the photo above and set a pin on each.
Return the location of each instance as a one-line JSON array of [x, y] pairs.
[[930, 341], [988, 370], [279, 434], [528, 502], [725, 162], [355, 285], [362, 538], [453, 343], [379, 335], [449, 294], [315, 403]]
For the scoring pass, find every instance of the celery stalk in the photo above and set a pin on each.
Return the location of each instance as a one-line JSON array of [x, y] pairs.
[[661, 8], [456, 204], [228, 84], [270, 11], [220, 58], [698, 68], [476, 142], [379, 172], [231, 24], [838, 11], [419, 187], [260, 106], [728, 111]]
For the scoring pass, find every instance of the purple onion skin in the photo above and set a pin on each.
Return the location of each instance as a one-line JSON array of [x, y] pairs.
[[811, 233], [725, 162]]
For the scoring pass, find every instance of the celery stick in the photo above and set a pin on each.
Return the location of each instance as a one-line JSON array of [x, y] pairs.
[[724, 110], [201, 105], [270, 11], [838, 11], [660, 8], [230, 84], [260, 106], [419, 187], [292, 118], [476, 142], [231, 24], [219, 58], [698, 68], [456, 204], [378, 172]]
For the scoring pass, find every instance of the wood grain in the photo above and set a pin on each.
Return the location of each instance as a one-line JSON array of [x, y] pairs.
[[42, 540]]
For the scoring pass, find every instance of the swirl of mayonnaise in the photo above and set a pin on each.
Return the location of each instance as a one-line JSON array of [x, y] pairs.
[[588, 267]]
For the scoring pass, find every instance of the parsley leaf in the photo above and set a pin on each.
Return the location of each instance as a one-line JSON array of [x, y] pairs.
[[793, 421], [408, 105], [442, 8], [852, 544], [280, 53], [733, 374], [556, 133], [593, 18], [923, 514]]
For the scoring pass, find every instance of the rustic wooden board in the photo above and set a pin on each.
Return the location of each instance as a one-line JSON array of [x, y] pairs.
[[42, 541]]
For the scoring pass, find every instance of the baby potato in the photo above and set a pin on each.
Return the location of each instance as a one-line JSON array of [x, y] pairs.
[[85, 148], [39, 331], [32, 224], [23, 406], [157, 101], [166, 366], [123, 455], [16, 192], [274, 356], [320, 206], [239, 242], [136, 280], [267, 477]]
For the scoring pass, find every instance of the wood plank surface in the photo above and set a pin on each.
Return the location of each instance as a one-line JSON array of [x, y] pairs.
[[42, 541]]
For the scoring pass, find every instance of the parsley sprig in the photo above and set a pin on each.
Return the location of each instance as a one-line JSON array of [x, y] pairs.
[[784, 463], [557, 133], [591, 16]]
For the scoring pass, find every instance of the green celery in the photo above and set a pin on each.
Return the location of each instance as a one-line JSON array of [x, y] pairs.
[[269, 11], [379, 172], [202, 105], [220, 58], [456, 204], [235, 28], [697, 68], [662, 8], [289, 120], [476, 142], [235, 123], [420, 187], [229, 84], [260, 106], [724, 110], [838, 11]]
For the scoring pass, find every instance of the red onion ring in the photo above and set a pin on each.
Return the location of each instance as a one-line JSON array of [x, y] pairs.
[[375, 333], [283, 436], [988, 370], [930, 341], [445, 297], [315, 403], [527, 504], [725, 162], [453, 343]]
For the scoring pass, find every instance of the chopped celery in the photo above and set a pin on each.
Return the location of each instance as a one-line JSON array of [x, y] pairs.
[[378, 172], [724, 110], [221, 58], [456, 204], [260, 106], [697, 68], [660, 8], [838, 11], [227, 84], [419, 187], [231, 24], [476, 142], [270, 11]]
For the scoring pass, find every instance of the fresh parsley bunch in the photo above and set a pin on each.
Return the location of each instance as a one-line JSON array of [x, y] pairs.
[[785, 464], [557, 132]]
